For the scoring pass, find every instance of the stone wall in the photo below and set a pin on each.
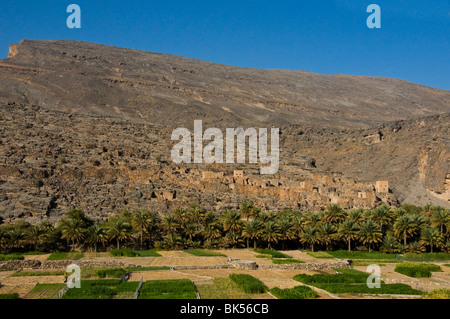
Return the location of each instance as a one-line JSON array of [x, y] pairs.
[[308, 266], [247, 265], [59, 264], [20, 264], [203, 267]]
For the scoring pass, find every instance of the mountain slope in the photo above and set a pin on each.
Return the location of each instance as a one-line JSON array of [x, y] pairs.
[[173, 91], [87, 125]]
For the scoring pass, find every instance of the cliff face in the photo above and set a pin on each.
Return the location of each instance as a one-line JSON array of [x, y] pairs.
[[12, 50], [434, 169], [86, 125], [52, 161], [412, 155]]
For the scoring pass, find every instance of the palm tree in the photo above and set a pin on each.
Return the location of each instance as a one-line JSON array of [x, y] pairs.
[[271, 233], [211, 231], [267, 217], [404, 226], [446, 247], [15, 238], [287, 214], [348, 231], [142, 220], [430, 237], [170, 224], [416, 247], [370, 233], [172, 241], [399, 212], [357, 215], [51, 237], [252, 230], [390, 245], [191, 230], [420, 222], [210, 217], [78, 214], [312, 219], [248, 209], [73, 230], [286, 229], [197, 214], [231, 221], [334, 214], [97, 234], [381, 215], [182, 216], [46, 227], [232, 239], [327, 232], [310, 236], [440, 218], [153, 232], [34, 236], [118, 230], [298, 225], [3, 240], [126, 216]]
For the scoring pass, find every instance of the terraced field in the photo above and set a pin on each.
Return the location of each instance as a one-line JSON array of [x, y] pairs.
[[203, 274]]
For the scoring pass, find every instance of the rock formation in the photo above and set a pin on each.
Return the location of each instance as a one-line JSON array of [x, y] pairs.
[[89, 126]]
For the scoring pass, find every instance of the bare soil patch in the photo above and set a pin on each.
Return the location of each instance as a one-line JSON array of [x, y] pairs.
[[21, 289], [36, 257]]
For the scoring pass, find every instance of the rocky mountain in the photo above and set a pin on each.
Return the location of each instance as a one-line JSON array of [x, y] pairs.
[[87, 125], [87, 78]]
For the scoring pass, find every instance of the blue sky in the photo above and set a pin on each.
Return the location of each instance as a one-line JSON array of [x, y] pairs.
[[323, 36]]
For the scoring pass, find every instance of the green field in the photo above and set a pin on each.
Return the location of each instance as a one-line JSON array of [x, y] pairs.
[[438, 294], [298, 292], [6, 257], [65, 256], [127, 252], [114, 272], [249, 284], [168, 289], [44, 291], [353, 282], [102, 289], [345, 276], [150, 268], [110, 273], [273, 253], [148, 253], [379, 262], [344, 254], [426, 257], [417, 270], [319, 254], [38, 273], [9, 296], [222, 288], [203, 253], [386, 289]]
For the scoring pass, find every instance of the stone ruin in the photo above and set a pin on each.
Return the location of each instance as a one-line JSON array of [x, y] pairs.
[[382, 187], [302, 190]]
